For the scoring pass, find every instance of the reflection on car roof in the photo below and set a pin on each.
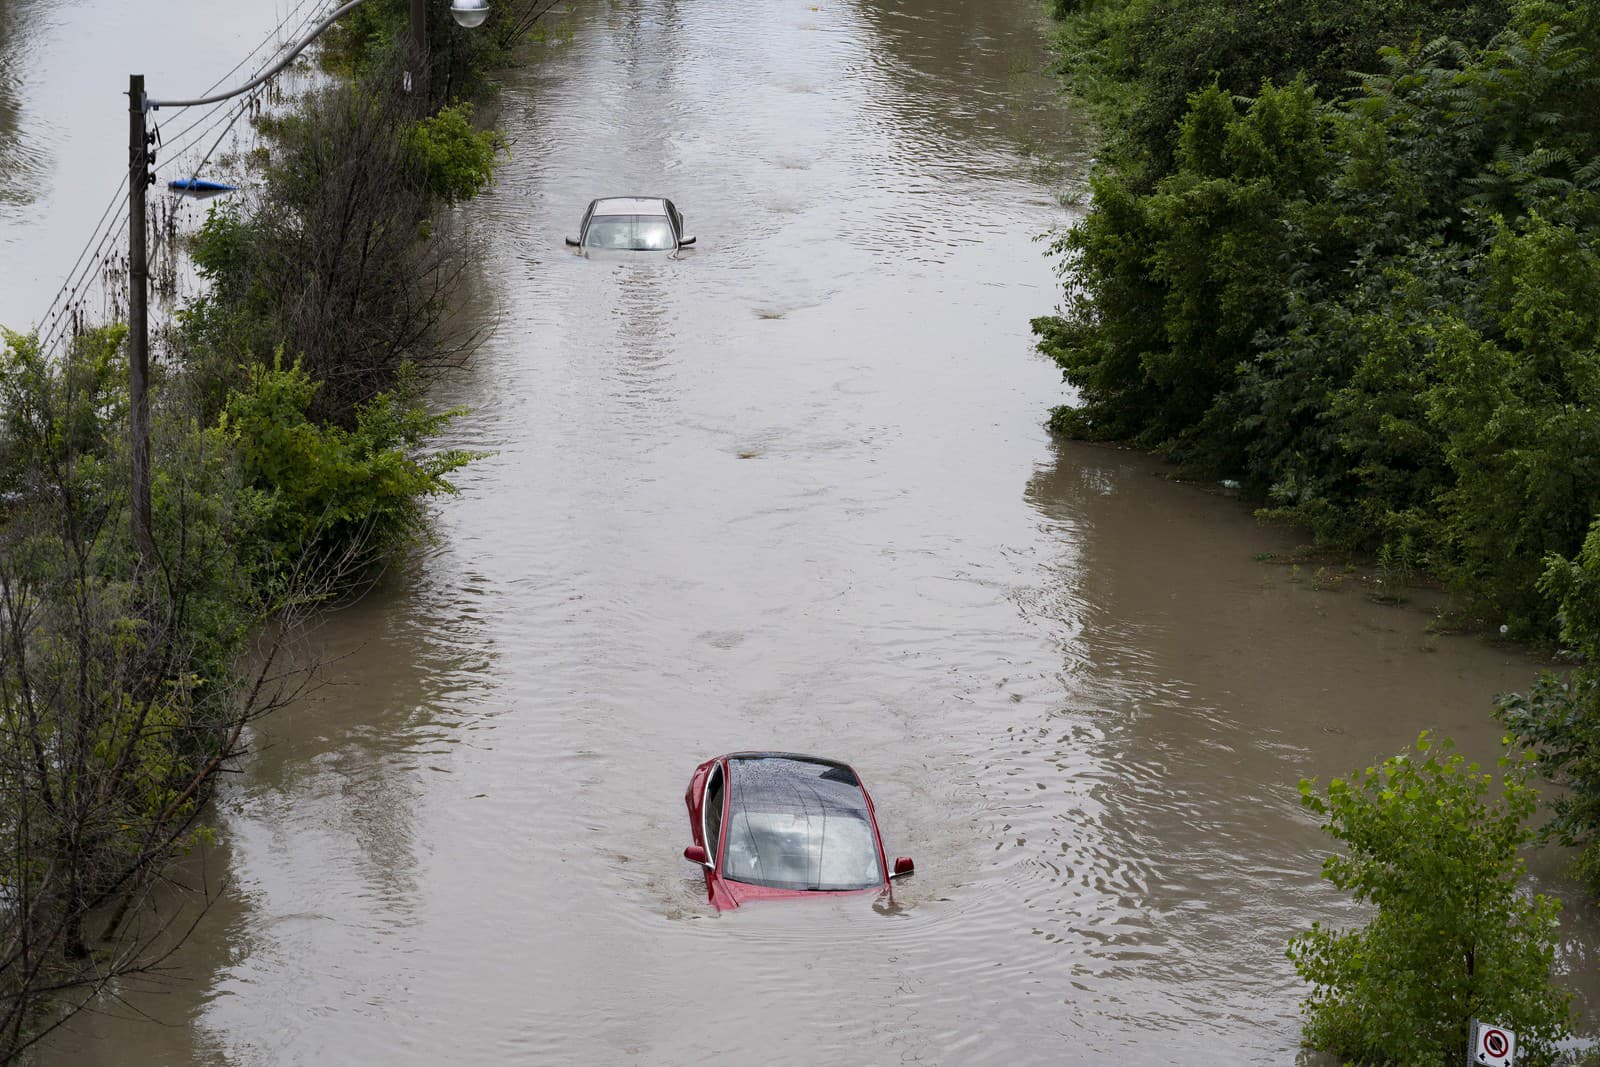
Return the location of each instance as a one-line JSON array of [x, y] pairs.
[[794, 785], [630, 205]]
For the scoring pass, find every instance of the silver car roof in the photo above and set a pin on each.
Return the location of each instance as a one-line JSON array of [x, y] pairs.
[[631, 205]]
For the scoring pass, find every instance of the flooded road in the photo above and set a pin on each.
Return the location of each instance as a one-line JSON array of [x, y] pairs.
[[792, 491]]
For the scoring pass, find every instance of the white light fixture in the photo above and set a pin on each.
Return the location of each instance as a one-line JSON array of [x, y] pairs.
[[469, 14]]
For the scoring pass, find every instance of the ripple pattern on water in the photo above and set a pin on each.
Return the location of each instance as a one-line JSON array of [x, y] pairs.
[[791, 490]]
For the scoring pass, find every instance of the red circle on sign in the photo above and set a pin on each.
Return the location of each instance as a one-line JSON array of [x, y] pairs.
[[1495, 1042]]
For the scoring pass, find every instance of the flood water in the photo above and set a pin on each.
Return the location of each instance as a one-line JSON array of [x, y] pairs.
[[790, 491]]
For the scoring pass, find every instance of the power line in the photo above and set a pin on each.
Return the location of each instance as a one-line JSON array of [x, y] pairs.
[[267, 62], [64, 309], [239, 111]]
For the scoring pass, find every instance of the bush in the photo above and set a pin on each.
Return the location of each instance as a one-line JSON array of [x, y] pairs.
[[339, 261], [1452, 937], [363, 42], [1558, 719], [459, 160], [120, 682], [345, 499], [1375, 310]]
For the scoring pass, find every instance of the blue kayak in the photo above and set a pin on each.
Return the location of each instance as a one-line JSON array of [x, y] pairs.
[[200, 185]]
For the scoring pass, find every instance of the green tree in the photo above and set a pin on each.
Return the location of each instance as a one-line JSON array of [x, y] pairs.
[[1172, 288], [1558, 718], [459, 159], [1433, 849], [125, 686], [341, 500], [1375, 307], [338, 260], [461, 61], [1145, 59]]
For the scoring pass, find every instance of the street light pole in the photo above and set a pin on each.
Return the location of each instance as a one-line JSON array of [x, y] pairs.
[[141, 160]]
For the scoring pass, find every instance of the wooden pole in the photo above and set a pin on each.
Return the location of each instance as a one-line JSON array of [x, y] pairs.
[[138, 320]]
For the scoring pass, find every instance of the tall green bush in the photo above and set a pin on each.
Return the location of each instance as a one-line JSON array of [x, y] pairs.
[[461, 64], [459, 160], [128, 679], [1432, 847], [1375, 310], [1144, 60], [121, 692], [345, 498], [339, 259], [1558, 717]]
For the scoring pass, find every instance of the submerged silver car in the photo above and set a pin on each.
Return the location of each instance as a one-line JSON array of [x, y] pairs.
[[632, 224]]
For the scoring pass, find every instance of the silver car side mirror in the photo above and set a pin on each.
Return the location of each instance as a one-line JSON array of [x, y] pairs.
[[573, 241], [685, 241]]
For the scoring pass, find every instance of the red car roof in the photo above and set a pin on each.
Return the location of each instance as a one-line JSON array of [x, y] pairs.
[[770, 828]]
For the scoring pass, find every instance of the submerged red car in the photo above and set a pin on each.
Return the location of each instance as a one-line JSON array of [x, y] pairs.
[[777, 824]]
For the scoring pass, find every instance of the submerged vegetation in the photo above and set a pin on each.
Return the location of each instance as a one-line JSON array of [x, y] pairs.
[[125, 685], [1344, 254], [1372, 299], [291, 459], [1432, 848]]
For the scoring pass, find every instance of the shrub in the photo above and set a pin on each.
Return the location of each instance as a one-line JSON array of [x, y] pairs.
[[345, 498], [1452, 937], [458, 159]]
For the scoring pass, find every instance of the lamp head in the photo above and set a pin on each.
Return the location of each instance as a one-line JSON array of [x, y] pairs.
[[469, 13]]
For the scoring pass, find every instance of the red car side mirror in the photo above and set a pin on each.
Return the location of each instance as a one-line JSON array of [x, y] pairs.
[[903, 866], [696, 854]]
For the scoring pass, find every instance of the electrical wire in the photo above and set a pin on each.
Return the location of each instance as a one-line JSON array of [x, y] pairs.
[[61, 312], [239, 109], [70, 285], [285, 40]]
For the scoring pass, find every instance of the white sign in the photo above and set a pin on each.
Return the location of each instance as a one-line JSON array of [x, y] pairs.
[[1492, 1046]]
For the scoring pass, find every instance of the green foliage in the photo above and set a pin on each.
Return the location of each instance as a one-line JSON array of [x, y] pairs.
[[459, 160], [1096, 56], [58, 420], [1147, 59], [348, 495], [1101, 335], [117, 674], [1171, 288], [367, 41], [1559, 718], [1376, 309], [337, 263], [122, 685], [1434, 851], [63, 469], [1397, 567], [337, 260]]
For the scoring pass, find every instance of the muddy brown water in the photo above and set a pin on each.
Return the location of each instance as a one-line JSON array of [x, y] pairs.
[[789, 491]]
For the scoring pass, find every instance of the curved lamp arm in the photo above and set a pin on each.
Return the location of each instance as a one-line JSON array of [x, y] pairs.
[[304, 43]]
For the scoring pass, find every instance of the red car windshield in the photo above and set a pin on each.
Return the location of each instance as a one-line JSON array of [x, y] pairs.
[[794, 824]]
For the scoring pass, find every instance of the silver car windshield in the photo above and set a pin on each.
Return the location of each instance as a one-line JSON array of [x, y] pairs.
[[640, 233], [798, 825]]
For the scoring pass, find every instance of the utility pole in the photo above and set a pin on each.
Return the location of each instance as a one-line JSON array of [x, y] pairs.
[[141, 162], [140, 158]]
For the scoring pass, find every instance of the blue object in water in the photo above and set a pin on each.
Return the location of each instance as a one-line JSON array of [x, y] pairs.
[[200, 185]]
